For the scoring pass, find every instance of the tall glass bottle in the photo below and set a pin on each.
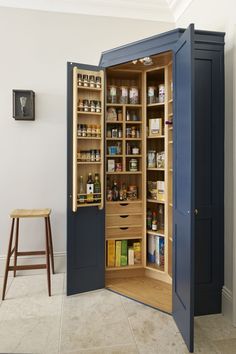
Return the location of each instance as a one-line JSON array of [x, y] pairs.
[[97, 189], [90, 188], [81, 190], [115, 192]]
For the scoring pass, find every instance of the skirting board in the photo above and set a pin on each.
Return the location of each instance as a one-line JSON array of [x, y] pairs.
[[227, 303], [59, 262]]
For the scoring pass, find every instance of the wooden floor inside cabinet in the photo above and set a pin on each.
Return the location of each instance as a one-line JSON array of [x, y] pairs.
[[139, 144]]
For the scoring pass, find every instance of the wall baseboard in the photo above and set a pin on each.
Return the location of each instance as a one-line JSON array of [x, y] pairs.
[[227, 303], [59, 263]]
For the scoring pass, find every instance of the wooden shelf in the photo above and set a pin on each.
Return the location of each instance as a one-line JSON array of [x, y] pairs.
[[126, 105], [156, 104], [116, 139], [125, 267], [124, 201], [157, 233], [155, 137], [114, 156], [87, 205], [89, 113], [134, 139], [133, 122], [88, 88], [154, 266], [155, 169], [87, 138], [114, 122], [89, 163], [124, 173], [156, 201], [124, 237], [133, 155]]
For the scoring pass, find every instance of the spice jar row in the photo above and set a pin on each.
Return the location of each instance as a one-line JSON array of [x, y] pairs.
[[89, 156], [123, 94], [87, 130], [89, 81], [89, 106], [132, 132], [156, 95]]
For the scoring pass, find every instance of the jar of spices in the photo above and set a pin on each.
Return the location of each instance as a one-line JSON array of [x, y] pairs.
[[124, 94], [114, 133], [133, 132], [97, 155], [94, 131], [98, 82], [84, 130], [128, 132], [98, 107], [151, 159], [152, 94], [133, 165], [80, 105], [89, 130], [91, 80], [86, 80], [133, 95], [79, 130], [92, 155], [92, 106], [98, 131], [80, 80], [112, 94], [86, 105]]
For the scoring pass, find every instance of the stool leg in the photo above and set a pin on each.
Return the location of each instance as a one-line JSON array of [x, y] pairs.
[[50, 244], [8, 260], [47, 257], [16, 245]]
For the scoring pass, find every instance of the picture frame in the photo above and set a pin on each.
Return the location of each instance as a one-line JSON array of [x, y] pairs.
[[23, 105]]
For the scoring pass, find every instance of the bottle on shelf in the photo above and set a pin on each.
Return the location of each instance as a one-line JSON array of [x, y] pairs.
[[123, 192], [115, 192], [97, 189], [81, 190], [90, 188], [161, 216], [149, 220], [154, 221]]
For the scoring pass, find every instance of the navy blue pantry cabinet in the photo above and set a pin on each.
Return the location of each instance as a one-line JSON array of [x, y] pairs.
[[175, 81]]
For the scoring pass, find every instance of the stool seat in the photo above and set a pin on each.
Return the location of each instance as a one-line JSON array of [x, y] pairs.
[[30, 213]]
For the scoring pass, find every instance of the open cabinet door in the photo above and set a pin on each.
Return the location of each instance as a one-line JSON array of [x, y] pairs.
[[85, 221], [183, 246]]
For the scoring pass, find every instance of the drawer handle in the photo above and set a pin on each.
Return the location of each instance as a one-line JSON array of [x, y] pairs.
[[123, 228], [124, 204], [124, 216]]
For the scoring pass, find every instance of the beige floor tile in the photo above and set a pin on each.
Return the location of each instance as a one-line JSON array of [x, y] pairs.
[[226, 346], [216, 327], [203, 344], [9, 281], [28, 298], [34, 335], [124, 349]]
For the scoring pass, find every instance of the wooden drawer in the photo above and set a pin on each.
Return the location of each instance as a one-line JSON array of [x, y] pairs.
[[124, 232], [124, 208], [124, 220]]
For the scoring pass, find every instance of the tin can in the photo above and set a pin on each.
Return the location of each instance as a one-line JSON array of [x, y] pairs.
[[133, 165]]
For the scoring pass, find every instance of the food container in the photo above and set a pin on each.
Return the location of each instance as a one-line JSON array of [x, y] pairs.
[[135, 150], [133, 95], [92, 106], [151, 159], [119, 115], [98, 82], [124, 94], [128, 132], [80, 80], [112, 150], [161, 93], [152, 94], [112, 96], [114, 133], [133, 165], [86, 80], [80, 105], [92, 155], [92, 81], [86, 105], [132, 193], [98, 106]]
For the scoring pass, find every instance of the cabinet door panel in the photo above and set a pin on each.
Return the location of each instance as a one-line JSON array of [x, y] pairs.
[[183, 262]]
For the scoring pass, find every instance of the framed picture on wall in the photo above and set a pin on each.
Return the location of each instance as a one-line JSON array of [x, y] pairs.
[[23, 104]]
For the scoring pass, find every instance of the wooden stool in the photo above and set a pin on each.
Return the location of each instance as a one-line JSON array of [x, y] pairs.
[[29, 213]]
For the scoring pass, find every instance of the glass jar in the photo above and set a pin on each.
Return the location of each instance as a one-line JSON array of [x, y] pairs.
[[86, 80], [98, 82], [119, 132], [89, 131], [84, 130], [151, 159], [97, 155], [94, 131], [80, 80], [91, 80], [92, 106], [152, 94], [92, 155], [87, 155], [119, 115], [79, 130], [161, 93], [128, 132], [133, 95], [80, 105], [98, 131], [112, 94], [133, 165], [133, 132], [86, 105], [114, 133], [124, 94], [135, 150], [98, 107]]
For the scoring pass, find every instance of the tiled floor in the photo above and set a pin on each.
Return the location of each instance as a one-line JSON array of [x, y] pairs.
[[99, 322]]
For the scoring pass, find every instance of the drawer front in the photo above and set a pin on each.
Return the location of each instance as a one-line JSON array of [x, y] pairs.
[[124, 220], [124, 208], [126, 232]]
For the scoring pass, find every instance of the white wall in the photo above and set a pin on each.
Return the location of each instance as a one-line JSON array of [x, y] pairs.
[[35, 47], [218, 16]]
